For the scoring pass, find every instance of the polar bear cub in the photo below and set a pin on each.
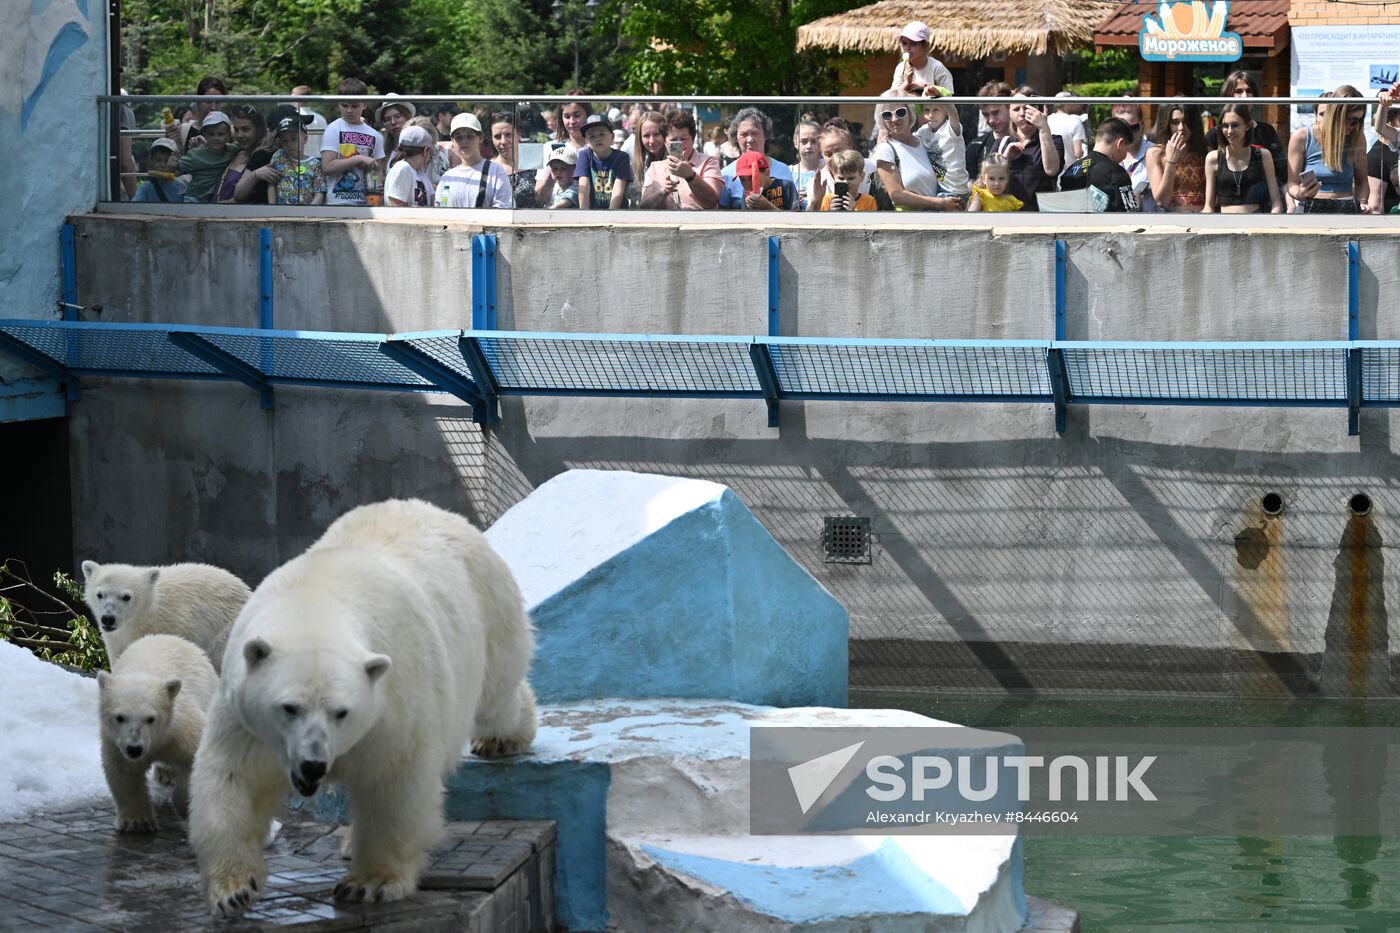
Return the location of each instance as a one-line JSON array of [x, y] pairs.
[[152, 707], [371, 660], [197, 602]]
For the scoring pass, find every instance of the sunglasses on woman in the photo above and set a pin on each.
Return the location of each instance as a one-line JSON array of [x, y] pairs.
[[898, 113]]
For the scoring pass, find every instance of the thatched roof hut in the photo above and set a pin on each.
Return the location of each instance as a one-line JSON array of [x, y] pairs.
[[962, 28]]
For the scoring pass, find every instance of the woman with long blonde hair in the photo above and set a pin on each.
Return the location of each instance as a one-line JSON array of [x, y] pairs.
[[649, 147], [1327, 161]]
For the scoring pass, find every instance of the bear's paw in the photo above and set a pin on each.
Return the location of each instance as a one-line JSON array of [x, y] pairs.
[[497, 748], [135, 824], [377, 888], [234, 893]]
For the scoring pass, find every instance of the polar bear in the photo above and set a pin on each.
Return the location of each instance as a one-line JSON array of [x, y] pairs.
[[197, 602], [370, 660], [152, 707]]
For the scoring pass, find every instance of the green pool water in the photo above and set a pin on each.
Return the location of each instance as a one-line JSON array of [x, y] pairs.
[[1128, 883]]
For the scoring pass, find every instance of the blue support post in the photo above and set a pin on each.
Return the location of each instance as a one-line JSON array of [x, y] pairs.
[[488, 412], [444, 377], [68, 262], [68, 267], [489, 267], [1059, 386], [484, 281], [265, 315], [1055, 358], [1353, 333], [1353, 290], [762, 356], [1060, 289], [765, 367], [265, 319], [1354, 391], [225, 362]]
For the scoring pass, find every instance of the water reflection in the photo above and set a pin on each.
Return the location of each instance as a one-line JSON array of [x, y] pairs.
[[1136, 883]]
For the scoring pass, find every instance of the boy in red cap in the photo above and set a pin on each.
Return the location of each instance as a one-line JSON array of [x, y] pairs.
[[753, 189]]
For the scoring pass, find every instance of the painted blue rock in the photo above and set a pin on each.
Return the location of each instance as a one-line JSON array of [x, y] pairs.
[[653, 586], [651, 799]]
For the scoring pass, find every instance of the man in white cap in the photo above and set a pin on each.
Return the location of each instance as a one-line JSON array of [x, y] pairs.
[[918, 69], [1068, 123], [477, 181]]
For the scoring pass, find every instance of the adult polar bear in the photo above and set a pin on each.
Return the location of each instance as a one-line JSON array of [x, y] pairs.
[[371, 660]]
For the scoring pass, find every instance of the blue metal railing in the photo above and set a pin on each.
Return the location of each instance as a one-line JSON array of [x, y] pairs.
[[480, 366]]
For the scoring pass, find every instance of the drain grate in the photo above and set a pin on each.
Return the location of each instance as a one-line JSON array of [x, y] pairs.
[[846, 540]]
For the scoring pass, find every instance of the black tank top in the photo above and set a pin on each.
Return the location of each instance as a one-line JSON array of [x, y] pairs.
[[1246, 187]]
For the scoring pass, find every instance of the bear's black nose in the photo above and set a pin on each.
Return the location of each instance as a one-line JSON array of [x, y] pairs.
[[109, 622], [133, 751], [312, 771]]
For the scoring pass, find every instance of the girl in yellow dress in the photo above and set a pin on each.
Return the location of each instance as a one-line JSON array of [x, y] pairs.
[[989, 191]]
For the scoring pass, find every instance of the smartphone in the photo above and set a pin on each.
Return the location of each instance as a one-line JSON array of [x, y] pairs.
[[1307, 178], [676, 148], [841, 189]]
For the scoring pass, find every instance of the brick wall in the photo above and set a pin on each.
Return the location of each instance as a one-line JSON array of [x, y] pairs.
[[1341, 13]]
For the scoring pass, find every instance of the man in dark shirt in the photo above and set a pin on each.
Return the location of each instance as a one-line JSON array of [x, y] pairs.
[[1110, 186]]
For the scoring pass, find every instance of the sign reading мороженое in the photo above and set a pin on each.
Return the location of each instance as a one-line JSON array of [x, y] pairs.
[[1189, 31]]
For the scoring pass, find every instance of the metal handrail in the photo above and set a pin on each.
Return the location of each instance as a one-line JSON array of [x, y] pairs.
[[694, 99]]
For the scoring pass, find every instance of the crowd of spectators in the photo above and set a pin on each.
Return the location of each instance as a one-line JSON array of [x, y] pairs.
[[921, 157]]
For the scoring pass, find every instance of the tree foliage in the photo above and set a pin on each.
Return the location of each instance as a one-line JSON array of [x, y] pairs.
[[411, 46], [46, 620], [475, 46], [726, 46]]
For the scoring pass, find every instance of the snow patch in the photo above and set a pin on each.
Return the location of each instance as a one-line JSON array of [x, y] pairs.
[[50, 746], [581, 518]]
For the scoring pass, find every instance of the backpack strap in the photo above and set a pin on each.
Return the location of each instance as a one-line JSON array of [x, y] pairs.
[[485, 177]]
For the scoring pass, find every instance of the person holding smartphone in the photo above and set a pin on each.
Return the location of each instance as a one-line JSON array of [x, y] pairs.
[[685, 180], [848, 168]]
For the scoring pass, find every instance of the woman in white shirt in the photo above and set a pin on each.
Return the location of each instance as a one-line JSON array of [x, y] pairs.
[[903, 162]]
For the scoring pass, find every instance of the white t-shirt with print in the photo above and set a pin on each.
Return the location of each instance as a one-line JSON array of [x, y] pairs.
[[915, 171], [952, 151], [405, 183], [461, 187], [348, 189]]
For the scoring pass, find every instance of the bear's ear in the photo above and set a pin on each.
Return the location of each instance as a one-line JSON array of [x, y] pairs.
[[90, 568], [376, 665], [102, 678], [172, 688], [255, 651], [155, 574]]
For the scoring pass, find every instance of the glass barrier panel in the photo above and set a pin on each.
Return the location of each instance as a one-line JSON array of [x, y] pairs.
[[823, 156]]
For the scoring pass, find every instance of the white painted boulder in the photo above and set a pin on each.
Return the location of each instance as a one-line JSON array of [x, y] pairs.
[[651, 798], [655, 586]]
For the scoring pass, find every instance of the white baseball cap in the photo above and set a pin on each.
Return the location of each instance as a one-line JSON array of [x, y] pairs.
[[564, 154], [465, 121], [215, 117], [916, 32]]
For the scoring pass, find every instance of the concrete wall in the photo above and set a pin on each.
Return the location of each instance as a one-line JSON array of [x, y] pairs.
[[1130, 552], [52, 61]]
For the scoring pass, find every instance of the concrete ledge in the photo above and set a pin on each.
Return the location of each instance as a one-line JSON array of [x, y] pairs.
[[652, 796], [1306, 224]]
